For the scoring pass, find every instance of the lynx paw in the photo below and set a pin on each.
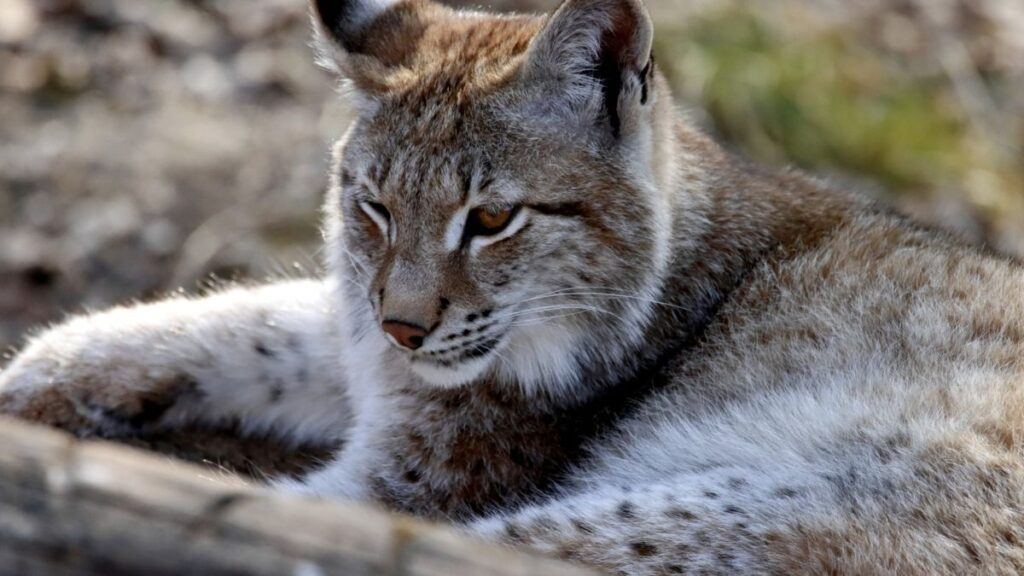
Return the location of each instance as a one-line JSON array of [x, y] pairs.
[[89, 404]]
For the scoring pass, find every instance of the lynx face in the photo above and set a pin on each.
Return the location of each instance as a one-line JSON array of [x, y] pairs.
[[489, 212]]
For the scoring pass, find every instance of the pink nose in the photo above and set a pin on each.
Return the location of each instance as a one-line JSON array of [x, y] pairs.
[[408, 335]]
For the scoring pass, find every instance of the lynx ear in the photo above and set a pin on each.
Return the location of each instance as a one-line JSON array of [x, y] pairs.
[[598, 54], [342, 21], [365, 40]]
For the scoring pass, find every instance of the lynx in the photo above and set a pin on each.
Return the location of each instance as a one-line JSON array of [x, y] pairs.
[[558, 316]]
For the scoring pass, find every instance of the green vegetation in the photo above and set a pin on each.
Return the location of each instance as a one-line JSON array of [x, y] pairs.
[[826, 99]]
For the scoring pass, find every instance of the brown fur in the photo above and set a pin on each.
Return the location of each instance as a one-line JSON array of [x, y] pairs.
[[759, 373]]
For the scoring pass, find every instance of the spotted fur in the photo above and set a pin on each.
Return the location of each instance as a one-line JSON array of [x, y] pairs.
[[668, 362]]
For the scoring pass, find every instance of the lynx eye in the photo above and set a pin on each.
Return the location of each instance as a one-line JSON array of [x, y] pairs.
[[379, 214], [379, 208], [489, 220]]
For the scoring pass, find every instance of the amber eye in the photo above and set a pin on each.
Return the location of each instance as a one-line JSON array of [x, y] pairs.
[[489, 220]]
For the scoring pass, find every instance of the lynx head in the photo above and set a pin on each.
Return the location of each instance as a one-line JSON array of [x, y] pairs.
[[493, 211]]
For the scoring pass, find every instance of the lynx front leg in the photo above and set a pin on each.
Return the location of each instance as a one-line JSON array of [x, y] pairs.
[[265, 358]]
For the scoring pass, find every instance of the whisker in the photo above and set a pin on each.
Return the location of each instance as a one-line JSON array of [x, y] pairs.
[[356, 264], [535, 309], [569, 307], [352, 282], [547, 318]]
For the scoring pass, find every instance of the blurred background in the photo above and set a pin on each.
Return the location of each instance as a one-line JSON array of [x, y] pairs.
[[146, 145]]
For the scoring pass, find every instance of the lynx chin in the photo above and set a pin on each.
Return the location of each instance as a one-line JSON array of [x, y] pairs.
[[558, 316]]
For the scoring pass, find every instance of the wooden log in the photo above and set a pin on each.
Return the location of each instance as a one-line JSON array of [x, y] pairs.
[[87, 507]]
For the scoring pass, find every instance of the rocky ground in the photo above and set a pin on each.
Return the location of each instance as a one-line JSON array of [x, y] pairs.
[[147, 144]]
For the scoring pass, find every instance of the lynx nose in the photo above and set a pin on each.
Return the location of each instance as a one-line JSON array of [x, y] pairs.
[[404, 334]]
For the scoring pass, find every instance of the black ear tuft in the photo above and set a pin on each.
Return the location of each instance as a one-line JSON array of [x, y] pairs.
[[645, 78], [608, 73], [331, 14], [343, 21]]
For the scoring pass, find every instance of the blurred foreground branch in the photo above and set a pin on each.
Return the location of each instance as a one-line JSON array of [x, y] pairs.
[[82, 507]]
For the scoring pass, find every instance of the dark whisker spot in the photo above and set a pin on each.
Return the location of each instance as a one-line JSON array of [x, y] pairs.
[[626, 510], [786, 493], [641, 548], [479, 350], [680, 514], [262, 349], [737, 483], [276, 393]]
